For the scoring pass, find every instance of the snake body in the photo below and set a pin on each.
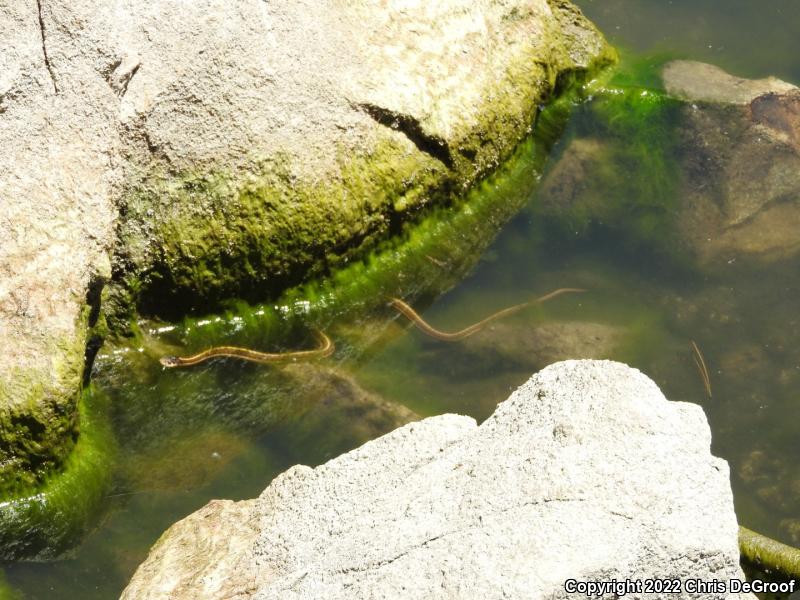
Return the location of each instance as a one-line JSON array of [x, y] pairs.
[[325, 348], [420, 323]]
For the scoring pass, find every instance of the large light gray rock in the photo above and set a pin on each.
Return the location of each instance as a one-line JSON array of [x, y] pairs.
[[56, 232], [585, 472]]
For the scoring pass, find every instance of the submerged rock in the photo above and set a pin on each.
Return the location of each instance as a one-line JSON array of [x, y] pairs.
[[206, 423], [740, 139], [571, 177], [774, 480], [538, 345], [229, 149], [585, 472], [185, 462], [701, 82], [791, 527], [342, 414]]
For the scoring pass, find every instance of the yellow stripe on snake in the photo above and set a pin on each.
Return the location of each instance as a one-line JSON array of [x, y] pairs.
[[420, 323], [325, 348]]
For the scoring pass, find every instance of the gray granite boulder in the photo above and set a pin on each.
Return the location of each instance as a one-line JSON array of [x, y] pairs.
[[701, 82], [586, 472]]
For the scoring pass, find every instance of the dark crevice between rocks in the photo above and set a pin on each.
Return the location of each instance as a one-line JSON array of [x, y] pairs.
[[44, 47], [410, 127], [95, 341]]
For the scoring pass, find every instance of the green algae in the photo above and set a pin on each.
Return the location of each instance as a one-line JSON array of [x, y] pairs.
[[639, 71], [55, 448], [631, 179], [45, 521], [6, 591], [220, 235], [39, 424]]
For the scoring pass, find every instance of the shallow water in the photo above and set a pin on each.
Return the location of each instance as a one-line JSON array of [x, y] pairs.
[[751, 38], [226, 429]]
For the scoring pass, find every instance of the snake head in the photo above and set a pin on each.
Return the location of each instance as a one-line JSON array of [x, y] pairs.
[[169, 361]]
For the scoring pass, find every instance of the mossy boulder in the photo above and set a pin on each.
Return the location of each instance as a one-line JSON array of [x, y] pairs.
[[218, 150], [700, 168], [247, 178]]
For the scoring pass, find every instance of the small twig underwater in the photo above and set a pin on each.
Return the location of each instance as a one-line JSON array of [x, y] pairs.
[[701, 367], [134, 493], [423, 326], [439, 263]]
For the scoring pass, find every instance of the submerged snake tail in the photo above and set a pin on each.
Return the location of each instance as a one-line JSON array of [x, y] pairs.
[[423, 326], [558, 292]]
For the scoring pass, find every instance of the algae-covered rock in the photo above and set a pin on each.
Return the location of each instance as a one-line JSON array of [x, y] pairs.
[[704, 173], [230, 149], [41, 522], [614, 175], [245, 175], [55, 234]]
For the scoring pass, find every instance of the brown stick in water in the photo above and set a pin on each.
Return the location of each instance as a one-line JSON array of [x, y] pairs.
[[701, 366], [420, 323], [326, 348]]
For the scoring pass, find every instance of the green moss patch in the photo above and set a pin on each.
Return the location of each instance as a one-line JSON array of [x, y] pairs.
[[44, 521], [38, 421]]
